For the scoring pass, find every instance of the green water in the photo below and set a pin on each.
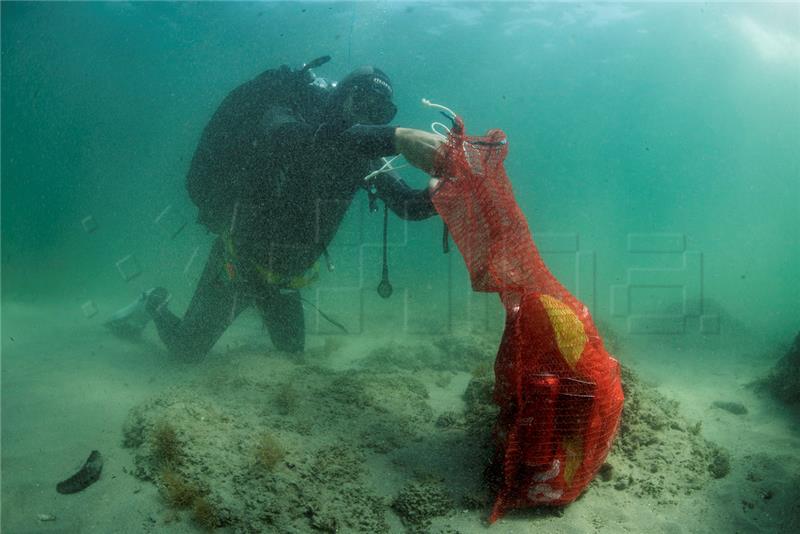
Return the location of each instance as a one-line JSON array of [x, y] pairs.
[[646, 119], [654, 148]]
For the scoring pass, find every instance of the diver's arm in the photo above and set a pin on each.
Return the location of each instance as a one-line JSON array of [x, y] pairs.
[[368, 141], [417, 146], [291, 135], [407, 203]]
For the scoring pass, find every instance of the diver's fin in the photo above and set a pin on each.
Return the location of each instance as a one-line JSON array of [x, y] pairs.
[[128, 322], [314, 63]]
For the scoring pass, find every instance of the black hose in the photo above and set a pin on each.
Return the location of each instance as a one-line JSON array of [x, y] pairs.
[[385, 287]]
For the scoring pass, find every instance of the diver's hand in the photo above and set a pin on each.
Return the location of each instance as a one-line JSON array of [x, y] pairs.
[[418, 147]]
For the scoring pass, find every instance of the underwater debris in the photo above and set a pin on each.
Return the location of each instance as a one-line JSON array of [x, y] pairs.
[[85, 477], [735, 408], [658, 454]]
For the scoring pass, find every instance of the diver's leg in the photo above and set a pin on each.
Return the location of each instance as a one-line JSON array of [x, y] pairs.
[[214, 306], [283, 315]]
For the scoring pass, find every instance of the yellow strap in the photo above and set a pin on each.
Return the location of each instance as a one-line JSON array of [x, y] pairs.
[[290, 282], [272, 278]]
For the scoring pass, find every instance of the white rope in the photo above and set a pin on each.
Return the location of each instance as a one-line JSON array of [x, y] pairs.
[[440, 107], [436, 126], [387, 167]]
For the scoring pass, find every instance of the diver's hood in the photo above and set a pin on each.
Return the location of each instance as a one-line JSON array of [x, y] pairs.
[[372, 91]]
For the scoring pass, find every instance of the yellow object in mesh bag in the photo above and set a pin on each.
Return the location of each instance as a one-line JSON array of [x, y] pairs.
[[570, 335]]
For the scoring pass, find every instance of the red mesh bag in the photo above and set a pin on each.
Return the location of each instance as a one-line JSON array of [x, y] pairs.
[[558, 390]]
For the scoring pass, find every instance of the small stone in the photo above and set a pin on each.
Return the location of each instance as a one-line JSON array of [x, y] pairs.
[[720, 462], [46, 517], [446, 420], [606, 472]]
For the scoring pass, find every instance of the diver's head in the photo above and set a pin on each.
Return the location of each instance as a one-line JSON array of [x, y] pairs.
[[365, 97]]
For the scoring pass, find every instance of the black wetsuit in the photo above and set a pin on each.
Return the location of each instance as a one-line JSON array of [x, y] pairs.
[[274, 174]]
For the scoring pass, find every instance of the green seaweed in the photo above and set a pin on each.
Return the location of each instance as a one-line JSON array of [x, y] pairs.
[[205, 514], [269, 451], [177, 491], [167, 448]]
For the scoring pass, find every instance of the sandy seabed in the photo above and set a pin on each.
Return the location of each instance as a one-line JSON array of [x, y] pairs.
[[364, 434]]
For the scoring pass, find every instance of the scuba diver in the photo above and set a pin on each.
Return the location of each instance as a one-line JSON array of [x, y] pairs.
[[273, 175]]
